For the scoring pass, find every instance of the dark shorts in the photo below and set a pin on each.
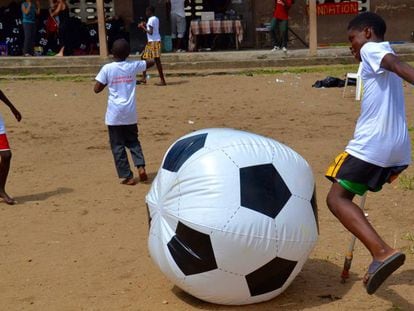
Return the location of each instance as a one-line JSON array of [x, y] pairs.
[[359, 176]]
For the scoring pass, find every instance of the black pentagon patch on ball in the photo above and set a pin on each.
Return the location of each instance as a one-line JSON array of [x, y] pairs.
[[262, 189], [149, 217], [182, 150], [270, 277], [315, 209], [192, 250]]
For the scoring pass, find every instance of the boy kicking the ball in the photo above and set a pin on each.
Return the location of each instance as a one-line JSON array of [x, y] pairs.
[[380, 148], [5, 153], [121, 114]]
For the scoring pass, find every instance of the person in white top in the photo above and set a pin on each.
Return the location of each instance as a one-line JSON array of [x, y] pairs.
[[121, 114], [5, 152], [176, 10], [380, 149], [153, 47]]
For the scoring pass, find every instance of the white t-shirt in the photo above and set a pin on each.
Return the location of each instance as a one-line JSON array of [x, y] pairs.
[[381, 134], [177, 7], [155, 24], [120, 78]]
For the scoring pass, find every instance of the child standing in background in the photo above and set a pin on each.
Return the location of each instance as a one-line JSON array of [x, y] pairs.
[[153, 48], [121, 115], [279, 25], [29, 12]]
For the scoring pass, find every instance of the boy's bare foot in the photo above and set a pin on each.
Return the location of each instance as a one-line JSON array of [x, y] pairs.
[[7, 199], [142, 81], [128, 182], [142, 174]]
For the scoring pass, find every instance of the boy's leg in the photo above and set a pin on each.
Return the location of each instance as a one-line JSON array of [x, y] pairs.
[[278, 33], [134, 146], [180, 44], [173, 19], [385, 259], [283, 32], [181, 28], [27, 39], [5, 156], [144, 77], [144, 73], [160, 72], [33, 38], [273, 32], [117, 142], [340, 203]]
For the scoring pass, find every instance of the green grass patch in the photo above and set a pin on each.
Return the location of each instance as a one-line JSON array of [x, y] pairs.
[[51, 76], [406, 182], [332, 70], [409, 236]]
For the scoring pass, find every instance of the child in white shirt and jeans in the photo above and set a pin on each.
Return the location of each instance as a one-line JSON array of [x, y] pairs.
[[121, 114]]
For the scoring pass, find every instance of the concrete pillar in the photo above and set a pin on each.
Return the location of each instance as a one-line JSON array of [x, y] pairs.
[[313, 29], [103, 45]]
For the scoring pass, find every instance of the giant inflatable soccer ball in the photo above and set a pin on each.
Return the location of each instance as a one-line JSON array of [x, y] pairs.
[[233, 216]]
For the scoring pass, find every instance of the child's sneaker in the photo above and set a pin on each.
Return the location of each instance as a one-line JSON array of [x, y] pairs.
[[275, 48], [284, 49]]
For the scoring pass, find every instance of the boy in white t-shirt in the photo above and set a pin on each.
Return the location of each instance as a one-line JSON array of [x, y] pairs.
[[5, 153], [121, 114], [153, 47], [380, 148]]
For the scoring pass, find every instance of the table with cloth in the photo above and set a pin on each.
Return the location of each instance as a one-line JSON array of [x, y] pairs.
[[199, 27]]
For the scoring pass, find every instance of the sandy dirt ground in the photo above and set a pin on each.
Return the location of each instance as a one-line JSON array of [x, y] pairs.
[[77, 239]]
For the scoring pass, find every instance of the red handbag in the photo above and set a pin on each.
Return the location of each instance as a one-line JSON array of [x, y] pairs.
[[51, 25]]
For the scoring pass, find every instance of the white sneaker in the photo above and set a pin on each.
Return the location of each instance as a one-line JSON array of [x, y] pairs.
[[284, 49], [275, 48]]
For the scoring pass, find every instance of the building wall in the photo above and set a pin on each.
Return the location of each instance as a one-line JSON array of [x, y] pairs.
[[124, 9], [398, 15]]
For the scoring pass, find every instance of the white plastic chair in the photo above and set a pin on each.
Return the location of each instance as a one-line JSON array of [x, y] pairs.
[[357, 77]]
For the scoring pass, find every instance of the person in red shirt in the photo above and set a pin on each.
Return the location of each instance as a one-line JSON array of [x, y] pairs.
[[279, 25]]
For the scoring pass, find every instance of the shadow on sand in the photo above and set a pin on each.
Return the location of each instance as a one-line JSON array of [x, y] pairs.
[[43, 195], [316, 285], [387, 293]]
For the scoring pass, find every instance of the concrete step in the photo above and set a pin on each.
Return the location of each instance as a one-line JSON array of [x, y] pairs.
[[200, 61]]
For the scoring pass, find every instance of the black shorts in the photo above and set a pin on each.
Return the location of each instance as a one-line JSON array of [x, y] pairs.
[[350, 168]]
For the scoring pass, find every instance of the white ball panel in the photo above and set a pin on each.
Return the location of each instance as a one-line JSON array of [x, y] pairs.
[[206, 187], [294, 170], [296, 222], [251, 239]]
